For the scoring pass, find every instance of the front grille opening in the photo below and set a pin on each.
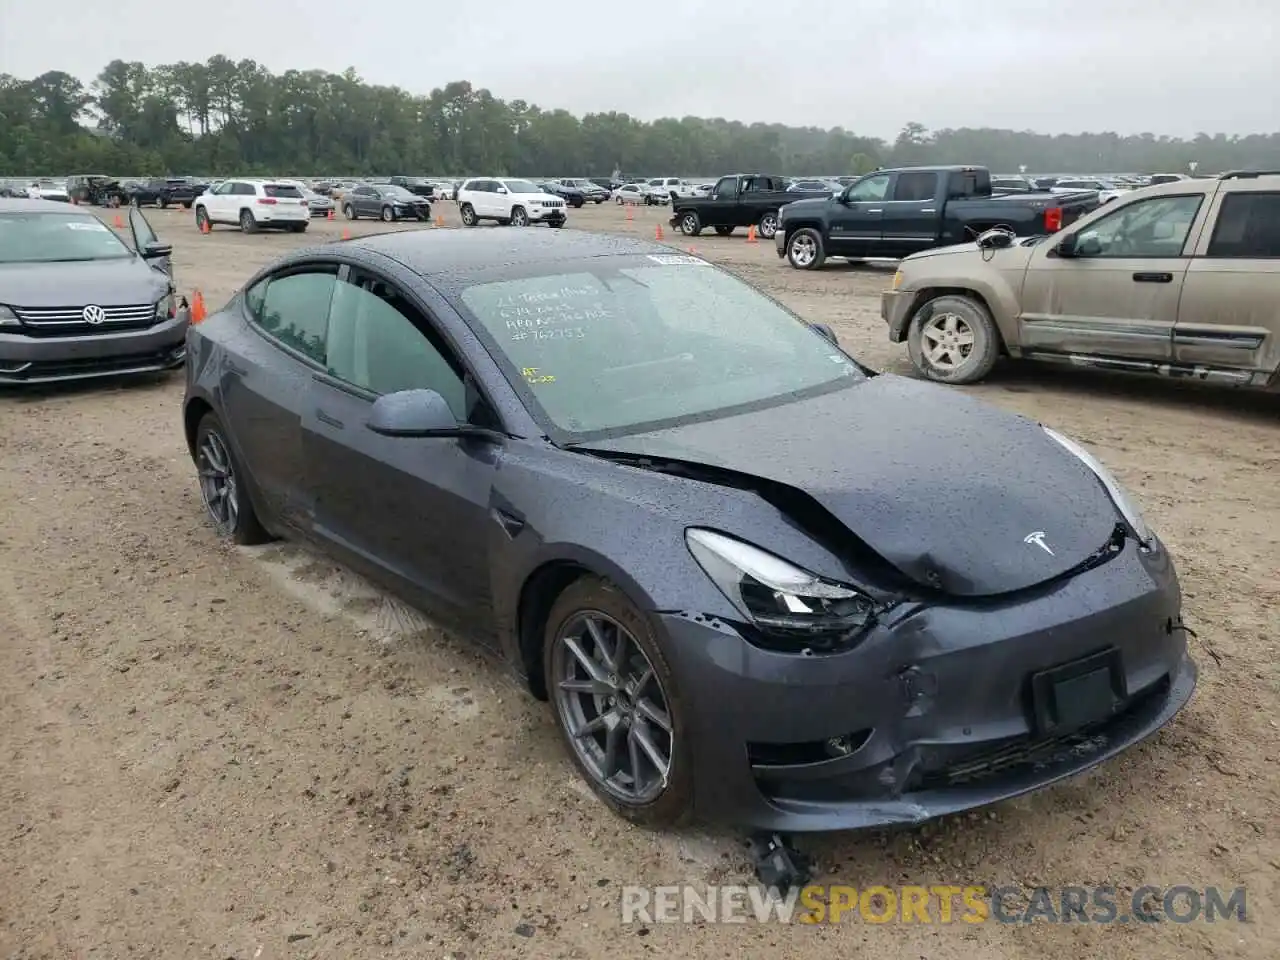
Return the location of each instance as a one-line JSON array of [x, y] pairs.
[[806, 752]]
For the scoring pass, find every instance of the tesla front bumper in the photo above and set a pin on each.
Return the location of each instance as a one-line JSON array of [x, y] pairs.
[[939, 709], [42, 359]]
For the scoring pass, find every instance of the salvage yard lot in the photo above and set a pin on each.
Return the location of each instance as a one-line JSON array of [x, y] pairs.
[[220, 752]]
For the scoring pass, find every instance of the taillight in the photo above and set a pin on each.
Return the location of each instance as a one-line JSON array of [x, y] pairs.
[[267, 200], [1053, 219]]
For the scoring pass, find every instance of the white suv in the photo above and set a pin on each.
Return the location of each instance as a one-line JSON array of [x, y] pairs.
[[517, 202], [254, 204], [664, 188]]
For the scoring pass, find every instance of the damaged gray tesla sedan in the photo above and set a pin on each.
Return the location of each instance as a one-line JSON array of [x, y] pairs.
[[757, 582]]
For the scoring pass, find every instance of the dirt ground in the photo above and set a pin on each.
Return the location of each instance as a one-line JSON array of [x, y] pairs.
[[223, 753]]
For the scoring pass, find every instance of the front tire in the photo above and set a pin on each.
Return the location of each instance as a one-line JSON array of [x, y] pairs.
[[805, 250], [468, 214], [690, 223], [221, 489], [768, 226], [616, 704], [953, 339], [519, 218], [388, 215]]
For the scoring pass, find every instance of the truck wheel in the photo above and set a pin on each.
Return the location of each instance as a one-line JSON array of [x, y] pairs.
[[953, 340], [723, 231], [690, 224], [804, 249], [768, 226]]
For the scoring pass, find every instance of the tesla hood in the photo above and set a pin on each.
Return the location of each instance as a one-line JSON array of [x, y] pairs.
[[956, 494]]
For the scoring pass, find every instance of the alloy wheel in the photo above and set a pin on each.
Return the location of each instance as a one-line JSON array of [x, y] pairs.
[[613, 707], [946, 340], [218, 487], [803, 250]]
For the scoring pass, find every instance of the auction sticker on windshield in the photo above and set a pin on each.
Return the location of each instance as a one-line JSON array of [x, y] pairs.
[[86, 225]]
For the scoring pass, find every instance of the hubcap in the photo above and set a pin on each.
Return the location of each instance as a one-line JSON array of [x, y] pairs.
[[768, 227], [520, 219], [613, 706], [689, 224], [218, 483], [946, 341], [803, 250]]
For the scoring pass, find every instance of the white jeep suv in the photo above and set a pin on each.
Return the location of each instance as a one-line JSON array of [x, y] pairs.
[[517, 202], [254, 204]]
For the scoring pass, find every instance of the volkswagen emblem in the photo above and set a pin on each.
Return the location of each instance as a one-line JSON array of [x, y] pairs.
[[94, 314]]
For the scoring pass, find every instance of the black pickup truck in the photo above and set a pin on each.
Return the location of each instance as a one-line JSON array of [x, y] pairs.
[[891, 214], [741, 200]]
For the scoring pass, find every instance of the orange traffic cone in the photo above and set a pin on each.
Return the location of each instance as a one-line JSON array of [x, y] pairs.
[[205, 227], [657, 232], [439, 219], [751, 234], [198, 312], [119, 224], [630, 212], [330, 216], [346, 234]]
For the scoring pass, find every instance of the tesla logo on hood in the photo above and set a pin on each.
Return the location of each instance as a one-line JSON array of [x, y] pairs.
[[1037, 539]]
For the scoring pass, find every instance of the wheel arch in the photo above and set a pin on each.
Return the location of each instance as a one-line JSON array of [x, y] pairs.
[[538, 594]]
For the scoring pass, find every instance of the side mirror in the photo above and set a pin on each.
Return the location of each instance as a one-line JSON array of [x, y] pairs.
[[826, 331], [1066, 247], [153, 250], [412, 413], [502, 189], [1088, 246]]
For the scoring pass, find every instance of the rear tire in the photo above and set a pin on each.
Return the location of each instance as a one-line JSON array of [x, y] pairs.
[[939, 333], [240, 524], [349, 211], [247, 223], [768, 226], [468, 214]]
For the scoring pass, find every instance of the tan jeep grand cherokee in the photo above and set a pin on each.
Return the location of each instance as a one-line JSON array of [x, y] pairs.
[[1180, 279]]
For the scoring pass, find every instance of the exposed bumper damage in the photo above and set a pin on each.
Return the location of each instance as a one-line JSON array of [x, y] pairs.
[[940, 708]]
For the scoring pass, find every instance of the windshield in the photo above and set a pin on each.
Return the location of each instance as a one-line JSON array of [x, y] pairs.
[[623, 342], [397, 191], [57, 238], [520, 186]]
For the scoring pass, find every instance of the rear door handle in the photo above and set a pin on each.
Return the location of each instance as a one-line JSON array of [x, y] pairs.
[[1153, 278], [331, 421], [875, 211]]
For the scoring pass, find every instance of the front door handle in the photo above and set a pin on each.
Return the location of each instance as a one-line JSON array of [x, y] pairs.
[[1153, 278], [331, 421], [875, 211]]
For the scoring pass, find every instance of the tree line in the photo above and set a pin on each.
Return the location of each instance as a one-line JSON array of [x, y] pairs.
[[223, 117]]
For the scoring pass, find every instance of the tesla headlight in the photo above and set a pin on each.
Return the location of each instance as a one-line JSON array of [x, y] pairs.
[[779, 598], [7, 318], [1121, 497]]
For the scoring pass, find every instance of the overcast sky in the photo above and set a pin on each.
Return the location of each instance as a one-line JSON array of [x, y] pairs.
[[1166, 66]]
